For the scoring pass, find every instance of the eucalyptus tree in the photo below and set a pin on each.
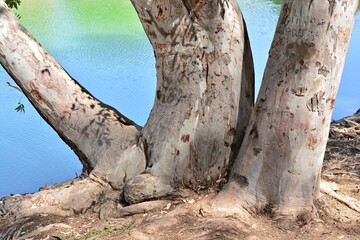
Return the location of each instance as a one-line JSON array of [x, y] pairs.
[[204, 129]]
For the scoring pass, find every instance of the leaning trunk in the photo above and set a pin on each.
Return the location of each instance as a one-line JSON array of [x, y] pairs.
[[204, 89], [106, 142], [280, 161]]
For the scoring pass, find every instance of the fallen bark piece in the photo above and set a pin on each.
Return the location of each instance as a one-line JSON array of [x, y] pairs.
[[143, 207]]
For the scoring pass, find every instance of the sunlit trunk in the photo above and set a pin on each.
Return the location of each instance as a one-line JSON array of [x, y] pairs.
[[201, 114], [204, 89], [279, 164]]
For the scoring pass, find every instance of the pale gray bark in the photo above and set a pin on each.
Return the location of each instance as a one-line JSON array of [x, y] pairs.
[[280, 160], [204, 97], [105, 141], [204, 89]]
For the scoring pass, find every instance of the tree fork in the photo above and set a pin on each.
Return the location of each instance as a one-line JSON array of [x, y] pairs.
[[279, 164]]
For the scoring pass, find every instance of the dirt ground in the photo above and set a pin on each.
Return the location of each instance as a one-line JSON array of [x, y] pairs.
[[183, 217]]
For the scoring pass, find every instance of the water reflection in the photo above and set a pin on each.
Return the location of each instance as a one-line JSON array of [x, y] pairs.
[[102, 45]]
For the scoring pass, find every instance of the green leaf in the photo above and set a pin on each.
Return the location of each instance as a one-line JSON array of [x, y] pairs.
[[20, 108], [13, 3], [17, 15]]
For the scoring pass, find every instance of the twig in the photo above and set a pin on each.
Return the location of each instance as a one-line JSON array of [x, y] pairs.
[[16, 87], [328, 188], [339, 172]]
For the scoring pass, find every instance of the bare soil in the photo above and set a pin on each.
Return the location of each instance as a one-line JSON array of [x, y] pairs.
[[183, 216]]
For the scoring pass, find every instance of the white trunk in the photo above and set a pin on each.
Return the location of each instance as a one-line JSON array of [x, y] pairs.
[[280, 161], [204, 88]]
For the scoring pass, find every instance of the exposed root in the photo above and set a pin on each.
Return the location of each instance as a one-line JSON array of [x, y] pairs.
[[40, 230], [61, 201], [233, 201], [66, 199], [220, 228], [288, 218], [141, 208], [330, 188], [14, 231], [230, 202], [33, 227], [192, 223], [146, 187]]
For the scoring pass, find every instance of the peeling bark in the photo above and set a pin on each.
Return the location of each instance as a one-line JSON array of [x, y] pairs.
[[281, 157]]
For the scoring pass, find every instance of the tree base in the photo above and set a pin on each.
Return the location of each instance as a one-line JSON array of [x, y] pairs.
[[236, 202], [227, 204], [183, 217], [146, 187], [66, 199]]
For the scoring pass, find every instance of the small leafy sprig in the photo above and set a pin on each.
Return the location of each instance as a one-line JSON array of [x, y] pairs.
[[20, 108], [13, 3]]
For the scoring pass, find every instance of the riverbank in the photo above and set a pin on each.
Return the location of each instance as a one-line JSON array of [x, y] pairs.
[[183, 217]]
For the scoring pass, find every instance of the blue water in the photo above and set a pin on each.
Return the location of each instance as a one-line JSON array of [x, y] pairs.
[[117, 66], [348, 99]]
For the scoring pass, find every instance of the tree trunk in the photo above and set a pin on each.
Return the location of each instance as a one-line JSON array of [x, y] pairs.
[[204, 97], [106, 142], [205, 89], [279, 164]]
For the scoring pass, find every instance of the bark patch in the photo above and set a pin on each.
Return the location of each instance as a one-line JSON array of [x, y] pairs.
[[185, 138], [323, 71], [46, 71], [302, 51], [286, 14], [34, 92], [331, 6], [257, 151], [300, 91], [241, 180], [254, 131], [312, 142], [317, 103]]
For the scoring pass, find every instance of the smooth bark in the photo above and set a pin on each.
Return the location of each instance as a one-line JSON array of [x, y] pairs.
[[279, 165], [205, 89]]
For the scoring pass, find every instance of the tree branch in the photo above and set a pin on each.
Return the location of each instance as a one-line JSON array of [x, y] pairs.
[[100, 135]]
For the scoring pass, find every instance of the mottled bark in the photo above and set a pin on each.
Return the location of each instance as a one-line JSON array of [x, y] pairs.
[[105, 141], [204, 98], [279, 163], [204, 89]]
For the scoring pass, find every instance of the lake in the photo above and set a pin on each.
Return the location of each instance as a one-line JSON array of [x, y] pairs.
[[102, 45]]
